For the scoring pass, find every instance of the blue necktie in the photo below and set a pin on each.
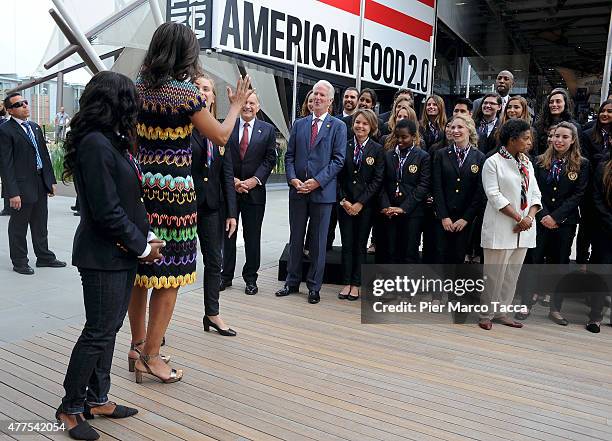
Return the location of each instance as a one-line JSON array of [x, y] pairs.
[[39, 163]]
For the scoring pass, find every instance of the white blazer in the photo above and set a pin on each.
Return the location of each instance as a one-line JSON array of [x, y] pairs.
[[501, 180]]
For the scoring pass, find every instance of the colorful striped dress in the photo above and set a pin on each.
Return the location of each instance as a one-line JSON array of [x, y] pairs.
[[164, 132]]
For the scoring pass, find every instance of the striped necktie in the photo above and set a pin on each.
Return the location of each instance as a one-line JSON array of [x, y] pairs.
[[30, 133]]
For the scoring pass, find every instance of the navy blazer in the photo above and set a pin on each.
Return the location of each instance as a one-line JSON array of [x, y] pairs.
[[18, 160], [322, 162], [113, 226], [603, 207], [594, 152], [414, 186], [363, 184], [561, 199], [487, 144], [214, 185], [259, 160], [458, 192]]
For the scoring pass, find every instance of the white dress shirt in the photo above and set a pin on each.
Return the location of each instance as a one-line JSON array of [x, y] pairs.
[[20, 122], [320, 121], [241, 129]]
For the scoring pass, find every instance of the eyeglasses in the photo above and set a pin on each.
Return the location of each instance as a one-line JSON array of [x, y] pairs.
[[489, 104], [18, 104]]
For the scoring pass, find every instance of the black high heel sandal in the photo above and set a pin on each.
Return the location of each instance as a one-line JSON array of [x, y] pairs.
[[229, 332], [82, 430], [119, 412]]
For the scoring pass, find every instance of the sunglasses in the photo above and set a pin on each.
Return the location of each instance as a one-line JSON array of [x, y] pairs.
[[18, 104]]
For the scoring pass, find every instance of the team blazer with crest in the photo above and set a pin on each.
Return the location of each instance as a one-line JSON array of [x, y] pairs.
[[361, 184], [561, 199], [414, 185], [214, 185], [458, 192]]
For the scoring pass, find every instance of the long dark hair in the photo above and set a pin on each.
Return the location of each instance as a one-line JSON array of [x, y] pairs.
[[596, 136], [545, 120], [109, 104], [173, 53], [607, 181]]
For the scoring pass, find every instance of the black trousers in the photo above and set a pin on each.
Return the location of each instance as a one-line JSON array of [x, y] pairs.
[[400, 237], [452, 247], [35, 216], [588, 222], [106, 295], [210, 233], [354, 231], [430, 236], [252, 220], [302, 210]]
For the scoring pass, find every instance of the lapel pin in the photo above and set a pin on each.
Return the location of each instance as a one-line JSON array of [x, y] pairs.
[[259, 131], [328, 126]]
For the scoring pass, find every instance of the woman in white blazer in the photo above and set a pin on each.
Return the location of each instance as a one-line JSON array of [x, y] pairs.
[[508, 230]]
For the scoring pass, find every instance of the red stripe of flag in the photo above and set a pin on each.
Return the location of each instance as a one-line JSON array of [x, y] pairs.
[[387, 16], [431, 3], [350, 6], [397, 20]]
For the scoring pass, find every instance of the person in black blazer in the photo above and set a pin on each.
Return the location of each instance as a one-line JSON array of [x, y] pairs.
[[213, 176], [359, 182], [406, 184], [253, 158], [112, 236], [28, 180], [487, 122], [367, 100], [458, 194], [563, 176]]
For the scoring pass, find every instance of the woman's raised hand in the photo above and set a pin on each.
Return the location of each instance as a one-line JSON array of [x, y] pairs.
[[243, 90]]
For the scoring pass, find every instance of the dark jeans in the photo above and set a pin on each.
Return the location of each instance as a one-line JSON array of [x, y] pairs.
[[354, 231], [106, 295], [211, 233], [35, 216], [252, 220]]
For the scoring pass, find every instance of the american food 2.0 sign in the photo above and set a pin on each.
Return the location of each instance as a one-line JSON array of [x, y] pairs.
[[396, 38]]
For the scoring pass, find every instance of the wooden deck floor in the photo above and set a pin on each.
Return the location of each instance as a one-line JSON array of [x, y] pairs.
[[313, 372]]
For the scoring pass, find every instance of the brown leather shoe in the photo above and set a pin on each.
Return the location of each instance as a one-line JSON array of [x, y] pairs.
[[486, 325]]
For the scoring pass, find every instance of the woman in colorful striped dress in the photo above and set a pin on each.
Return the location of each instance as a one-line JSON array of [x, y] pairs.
[[170, 107]]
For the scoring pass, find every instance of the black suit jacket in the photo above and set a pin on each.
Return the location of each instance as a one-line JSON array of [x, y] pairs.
[[429, 137], [259, 160], [363, 184], [458, 192], [561, 199], [18, 156], [604, 210], [214, 185], [414, 185], [591, 150], [113, 229], [488, 143]]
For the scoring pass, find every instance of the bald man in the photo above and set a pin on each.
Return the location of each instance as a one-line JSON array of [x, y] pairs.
[[503, 85]]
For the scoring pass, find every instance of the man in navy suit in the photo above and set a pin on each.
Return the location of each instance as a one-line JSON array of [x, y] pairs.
[[253, 149], [315, 156], [28, 176]]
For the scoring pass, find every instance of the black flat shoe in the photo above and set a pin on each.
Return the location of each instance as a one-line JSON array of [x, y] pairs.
[[119, 412], [353, 298], [342, 296], [51, 264], [229, 332], [251, 289], [25, 270], [313, 297], [82, 430], [593, 327], [560, 321], [286, 290]]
